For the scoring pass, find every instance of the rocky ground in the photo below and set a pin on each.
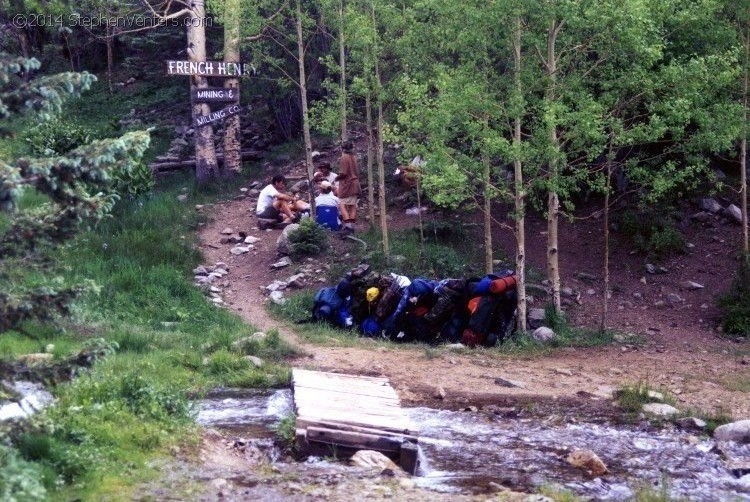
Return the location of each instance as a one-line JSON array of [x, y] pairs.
[[669, 306], [681, 350]]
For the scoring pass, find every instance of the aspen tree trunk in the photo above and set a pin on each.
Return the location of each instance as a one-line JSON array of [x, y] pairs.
[[342, 64], [607, 188], [305, 112], [743, 143], [381, 166], [109, 41], [232, 127], [487, 212], [553, 201], [370, 181], [206, 167], [419, 217], [520, 192]]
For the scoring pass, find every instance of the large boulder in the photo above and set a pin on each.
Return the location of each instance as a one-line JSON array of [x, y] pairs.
[[283, 244]]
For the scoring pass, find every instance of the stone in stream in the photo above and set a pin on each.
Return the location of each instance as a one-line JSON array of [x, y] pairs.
[[375, 460], [738, 432], [660, 409], [587, 459], [691, 424]]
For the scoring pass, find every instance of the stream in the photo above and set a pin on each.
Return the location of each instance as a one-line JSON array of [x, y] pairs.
[[474, 452]]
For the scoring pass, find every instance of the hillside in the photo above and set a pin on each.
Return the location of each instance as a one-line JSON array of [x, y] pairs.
[[679, 348]]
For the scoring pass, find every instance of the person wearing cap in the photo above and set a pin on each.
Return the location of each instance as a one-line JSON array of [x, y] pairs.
[[349, 186], [326, 197], [274, 204], [324, 169]]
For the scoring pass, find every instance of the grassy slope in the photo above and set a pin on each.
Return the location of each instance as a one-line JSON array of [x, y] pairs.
[[167, 342]]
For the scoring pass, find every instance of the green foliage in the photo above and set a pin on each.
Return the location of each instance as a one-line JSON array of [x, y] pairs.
[[652, 234], [58, 460], [20, 481], [448, 251], [286, 433], [631, 398], [736, 302], [309, 239], [57, 137], [133, 182], [75, 184], [43, 95]]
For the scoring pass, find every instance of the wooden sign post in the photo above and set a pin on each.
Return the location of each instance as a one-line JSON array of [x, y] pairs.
[[207, 95]]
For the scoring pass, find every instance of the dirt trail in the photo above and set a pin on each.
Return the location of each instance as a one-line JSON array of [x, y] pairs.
[[695, 366]]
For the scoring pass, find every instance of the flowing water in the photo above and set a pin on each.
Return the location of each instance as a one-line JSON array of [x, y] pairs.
[[32, 397], [469, 452]]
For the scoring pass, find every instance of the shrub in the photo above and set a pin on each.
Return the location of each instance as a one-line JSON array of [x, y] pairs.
[[652, 234], [309, 239], [134, 182], [19, 479], [736, 303], [57, 137]]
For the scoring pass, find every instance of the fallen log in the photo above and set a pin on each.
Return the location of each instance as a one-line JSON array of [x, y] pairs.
[[158, 167]]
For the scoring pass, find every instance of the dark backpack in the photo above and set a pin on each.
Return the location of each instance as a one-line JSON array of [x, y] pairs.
[[490, 320]]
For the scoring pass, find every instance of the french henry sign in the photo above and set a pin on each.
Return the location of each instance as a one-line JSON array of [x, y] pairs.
[[209, 68], [215, 94], [216, 116]]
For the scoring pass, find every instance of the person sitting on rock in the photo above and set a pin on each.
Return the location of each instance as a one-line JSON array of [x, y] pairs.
[[274, 204]]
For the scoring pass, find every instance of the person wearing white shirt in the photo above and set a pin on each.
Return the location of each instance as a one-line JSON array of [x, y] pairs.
[[274, 204]]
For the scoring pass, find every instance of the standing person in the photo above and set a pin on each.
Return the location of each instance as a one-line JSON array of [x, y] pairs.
[[274, 204], [349, 187]]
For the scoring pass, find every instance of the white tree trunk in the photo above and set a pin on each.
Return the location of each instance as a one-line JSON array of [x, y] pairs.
[[487, 213], [519, 192], [370, 155], [305, 112], [232, 126], [381, 165], [206, 167], [553, 201], [743, 143], [342, 65]]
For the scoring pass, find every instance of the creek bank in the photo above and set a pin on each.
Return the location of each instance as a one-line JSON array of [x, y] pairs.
[[468, 455]]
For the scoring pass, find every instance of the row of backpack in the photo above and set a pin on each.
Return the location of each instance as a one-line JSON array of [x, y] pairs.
[[476, 311]]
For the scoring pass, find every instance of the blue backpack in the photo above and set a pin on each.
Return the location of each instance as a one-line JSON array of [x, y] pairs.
[[330, 307]]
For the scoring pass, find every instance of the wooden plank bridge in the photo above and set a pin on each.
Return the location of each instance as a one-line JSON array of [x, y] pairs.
[[338, 414]]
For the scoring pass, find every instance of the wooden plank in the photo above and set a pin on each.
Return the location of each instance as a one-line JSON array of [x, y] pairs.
[[351, 412], [311, 373], [346, 387], [393, 426], [304, 424], [354, 400], [355, 439], [157, 167], [332, 414], [340, 390], [409, 457]]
